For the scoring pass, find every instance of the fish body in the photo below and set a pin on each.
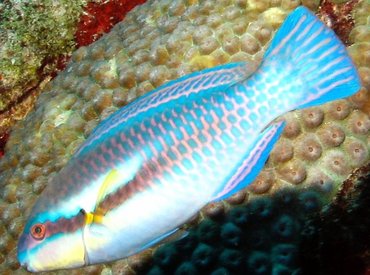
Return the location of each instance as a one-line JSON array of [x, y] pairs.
[[156, 162]]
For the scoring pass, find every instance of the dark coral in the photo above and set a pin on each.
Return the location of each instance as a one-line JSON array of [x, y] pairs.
[[261, 237], [288, 233], [338, 17], [3, 139], [337, 241]]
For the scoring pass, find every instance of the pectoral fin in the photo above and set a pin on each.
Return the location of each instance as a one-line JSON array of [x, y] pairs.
[[97, 215], [254, 161], [111, 180]]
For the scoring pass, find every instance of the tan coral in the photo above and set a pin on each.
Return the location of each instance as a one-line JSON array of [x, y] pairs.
[[331, 134], [309, 148], [162, 40]]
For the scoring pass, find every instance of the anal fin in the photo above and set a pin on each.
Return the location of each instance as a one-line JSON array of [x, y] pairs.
[[250, 167], [171, 236]]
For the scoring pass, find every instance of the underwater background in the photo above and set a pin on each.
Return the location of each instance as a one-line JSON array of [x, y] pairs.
[[306, 213]]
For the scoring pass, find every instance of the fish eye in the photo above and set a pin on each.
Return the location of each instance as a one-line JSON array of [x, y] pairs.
[[38, 231]]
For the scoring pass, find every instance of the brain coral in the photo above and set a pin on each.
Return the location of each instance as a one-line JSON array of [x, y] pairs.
[[159, 41]]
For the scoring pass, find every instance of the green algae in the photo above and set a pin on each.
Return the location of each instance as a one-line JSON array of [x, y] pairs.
[[30, 33]]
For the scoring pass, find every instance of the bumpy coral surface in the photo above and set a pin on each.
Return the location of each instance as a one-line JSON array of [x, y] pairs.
[[159, 41]]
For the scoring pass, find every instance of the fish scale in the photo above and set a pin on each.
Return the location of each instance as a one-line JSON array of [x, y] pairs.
[[169, 92], [182, 162], [152, 165]]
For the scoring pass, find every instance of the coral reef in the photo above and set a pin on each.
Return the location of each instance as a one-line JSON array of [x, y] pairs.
[[162, 40], [30, 32], [34, 37], [30, 60]]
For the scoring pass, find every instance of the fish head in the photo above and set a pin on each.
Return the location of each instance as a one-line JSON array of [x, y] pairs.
[[48, 244]]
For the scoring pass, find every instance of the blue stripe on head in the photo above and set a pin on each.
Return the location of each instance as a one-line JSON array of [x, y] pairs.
[[51, 216]]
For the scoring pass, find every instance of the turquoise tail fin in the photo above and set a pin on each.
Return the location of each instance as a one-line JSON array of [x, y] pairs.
[[316, 60]]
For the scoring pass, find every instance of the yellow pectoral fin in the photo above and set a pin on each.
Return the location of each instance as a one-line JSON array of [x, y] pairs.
[[112, 178], [89, 218], [98, 218], [97, 215], [94, 226], [93, 218]]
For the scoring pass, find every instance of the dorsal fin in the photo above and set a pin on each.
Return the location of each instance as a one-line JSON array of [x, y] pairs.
[[219, 78]]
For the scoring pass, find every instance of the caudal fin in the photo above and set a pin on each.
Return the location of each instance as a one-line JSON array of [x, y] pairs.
[[317, 58]]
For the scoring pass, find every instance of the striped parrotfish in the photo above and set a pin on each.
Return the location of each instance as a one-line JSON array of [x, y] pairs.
[[156, 162]]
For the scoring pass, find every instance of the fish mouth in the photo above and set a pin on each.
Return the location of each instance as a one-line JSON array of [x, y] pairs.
[[28, 268], [25, 265]]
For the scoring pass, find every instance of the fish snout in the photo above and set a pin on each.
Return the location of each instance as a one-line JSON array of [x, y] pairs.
[[22, 251]]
